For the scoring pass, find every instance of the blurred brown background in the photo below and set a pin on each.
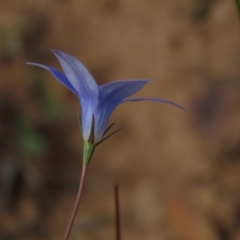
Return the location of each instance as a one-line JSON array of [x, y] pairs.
[[179, 172]]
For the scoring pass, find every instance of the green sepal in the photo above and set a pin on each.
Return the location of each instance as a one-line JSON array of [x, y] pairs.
[[88, 150]]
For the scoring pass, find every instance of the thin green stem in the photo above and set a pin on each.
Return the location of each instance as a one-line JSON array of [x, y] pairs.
[[77, 202], [238, 7]]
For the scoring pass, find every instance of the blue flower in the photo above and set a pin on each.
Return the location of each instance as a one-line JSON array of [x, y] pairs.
[[97, 102]]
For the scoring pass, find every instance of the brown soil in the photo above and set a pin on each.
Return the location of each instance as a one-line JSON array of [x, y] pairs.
[[179, 172]]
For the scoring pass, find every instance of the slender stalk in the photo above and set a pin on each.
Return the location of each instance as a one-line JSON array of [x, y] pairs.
[[117, 213], [76, 205], [238, 7]]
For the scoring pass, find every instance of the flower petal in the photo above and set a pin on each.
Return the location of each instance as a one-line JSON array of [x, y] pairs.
[[105, 108], [118, 90], [154, 100], [58, 75], [88, 109], [111, 95], [78, 75], [102, 114]]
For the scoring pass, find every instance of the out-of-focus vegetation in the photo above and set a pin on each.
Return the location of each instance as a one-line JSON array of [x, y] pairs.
[[238, 7]]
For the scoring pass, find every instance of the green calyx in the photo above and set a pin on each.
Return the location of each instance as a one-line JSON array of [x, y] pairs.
[[88, 150]]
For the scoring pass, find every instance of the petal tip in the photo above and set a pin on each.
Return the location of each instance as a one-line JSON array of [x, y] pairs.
[[32, 63], [55, 52]]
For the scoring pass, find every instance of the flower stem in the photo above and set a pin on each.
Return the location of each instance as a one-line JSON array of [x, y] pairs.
[[76, 205], [117, 213]]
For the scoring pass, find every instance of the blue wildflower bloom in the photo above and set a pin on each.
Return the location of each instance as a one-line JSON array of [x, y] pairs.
[[97, 102]]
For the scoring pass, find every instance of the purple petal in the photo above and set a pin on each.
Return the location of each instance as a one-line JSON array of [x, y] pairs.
[[105, 107], [102, 114], [88, 109], [154, 100], [111, 95], [118, 90], [58, 75], [78, 75]]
